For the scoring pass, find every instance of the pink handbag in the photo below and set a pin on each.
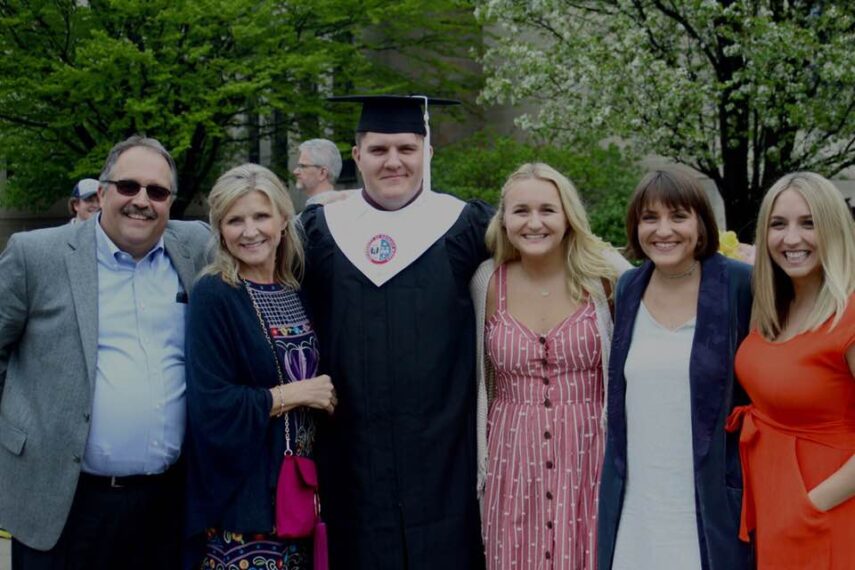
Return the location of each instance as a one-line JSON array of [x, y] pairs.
[[297, 506], [296, 510]]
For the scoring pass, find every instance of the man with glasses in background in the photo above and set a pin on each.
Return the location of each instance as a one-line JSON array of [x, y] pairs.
[[92, 412], [318, 167]]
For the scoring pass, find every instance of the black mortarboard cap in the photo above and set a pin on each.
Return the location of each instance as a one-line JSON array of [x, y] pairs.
[[392, 113]]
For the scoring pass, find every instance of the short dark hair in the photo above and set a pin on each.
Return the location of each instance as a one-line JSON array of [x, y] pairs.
[[674, 189], [135, 141]]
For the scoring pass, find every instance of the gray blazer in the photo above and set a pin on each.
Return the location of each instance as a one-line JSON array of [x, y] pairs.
[[48, 346]]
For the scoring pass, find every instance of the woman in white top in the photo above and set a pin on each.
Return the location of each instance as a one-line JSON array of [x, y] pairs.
[[671, 486]]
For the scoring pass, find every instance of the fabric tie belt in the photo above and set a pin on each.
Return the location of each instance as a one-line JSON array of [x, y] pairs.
[[752, 422], [836, 434]]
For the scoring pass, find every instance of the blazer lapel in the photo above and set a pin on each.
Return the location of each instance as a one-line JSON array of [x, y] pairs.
[[626, 311], [180, 258], [710, 358], [82, 266]]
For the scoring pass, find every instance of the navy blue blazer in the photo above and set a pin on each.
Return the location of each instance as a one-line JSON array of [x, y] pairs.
[[724, 308]]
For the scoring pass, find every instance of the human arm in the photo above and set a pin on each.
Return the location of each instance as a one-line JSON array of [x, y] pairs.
[[467, 248], [839, 487], [231, 439], [617, 260], [491, 298], [331, 197], [314, 392], [747, 252], [850, 360], [478, 288], [13, 305], [228, 398]]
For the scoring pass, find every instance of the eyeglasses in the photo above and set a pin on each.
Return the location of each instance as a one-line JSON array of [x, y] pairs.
[[301, 166], [131, 188]]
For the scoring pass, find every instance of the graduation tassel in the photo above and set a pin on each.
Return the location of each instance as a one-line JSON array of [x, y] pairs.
[[426, 148]]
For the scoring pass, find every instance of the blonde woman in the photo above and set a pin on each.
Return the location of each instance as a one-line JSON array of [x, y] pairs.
[[546, 340], [797, 365], [251, 371]]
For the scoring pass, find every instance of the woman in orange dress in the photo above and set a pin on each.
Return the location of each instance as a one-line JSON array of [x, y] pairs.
[[798, 437]]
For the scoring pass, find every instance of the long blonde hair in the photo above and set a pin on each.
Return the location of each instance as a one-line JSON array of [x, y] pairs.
[[234, 185], [584, 253], [835, 236]]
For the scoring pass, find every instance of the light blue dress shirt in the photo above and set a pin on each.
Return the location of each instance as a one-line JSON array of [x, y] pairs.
[[138, 409]]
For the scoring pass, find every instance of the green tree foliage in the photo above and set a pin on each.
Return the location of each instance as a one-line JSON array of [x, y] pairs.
[[478, 166], [209, 78], [742, 90]]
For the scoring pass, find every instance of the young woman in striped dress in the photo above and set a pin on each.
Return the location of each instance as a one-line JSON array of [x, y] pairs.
[[546, 338]]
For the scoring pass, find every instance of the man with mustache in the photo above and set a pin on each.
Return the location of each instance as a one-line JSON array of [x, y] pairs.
[[92, 375]]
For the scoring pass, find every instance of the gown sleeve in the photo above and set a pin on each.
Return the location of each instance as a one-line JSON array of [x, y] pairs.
[[465, 241], [316, 240]]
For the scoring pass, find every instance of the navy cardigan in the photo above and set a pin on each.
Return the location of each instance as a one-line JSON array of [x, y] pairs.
[[724, 308], [233, 448]]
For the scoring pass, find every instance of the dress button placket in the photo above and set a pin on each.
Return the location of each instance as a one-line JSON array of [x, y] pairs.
[[549, 478]]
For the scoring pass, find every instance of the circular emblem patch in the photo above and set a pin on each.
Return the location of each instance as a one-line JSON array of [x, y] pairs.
[[381, 249]]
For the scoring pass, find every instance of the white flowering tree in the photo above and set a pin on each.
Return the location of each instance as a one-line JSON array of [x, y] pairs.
[[742, 90]]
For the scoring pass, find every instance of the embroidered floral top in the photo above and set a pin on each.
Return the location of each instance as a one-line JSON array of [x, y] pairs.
[[296, 345]]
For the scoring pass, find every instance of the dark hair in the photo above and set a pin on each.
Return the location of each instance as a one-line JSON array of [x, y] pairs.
[[135, 141], [674, 189]]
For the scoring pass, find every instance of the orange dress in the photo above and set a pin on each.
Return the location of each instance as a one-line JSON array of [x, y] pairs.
[[799, 430]]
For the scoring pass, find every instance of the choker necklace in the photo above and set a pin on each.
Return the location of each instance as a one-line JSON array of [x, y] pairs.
[[680, 275]]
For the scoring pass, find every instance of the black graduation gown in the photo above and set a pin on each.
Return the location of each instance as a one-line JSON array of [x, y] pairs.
[[397, 459]]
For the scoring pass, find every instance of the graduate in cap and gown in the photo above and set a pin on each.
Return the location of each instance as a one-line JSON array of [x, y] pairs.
[[387, 276]]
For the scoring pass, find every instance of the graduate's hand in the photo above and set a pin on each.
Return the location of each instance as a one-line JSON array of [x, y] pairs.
[[317, 392]]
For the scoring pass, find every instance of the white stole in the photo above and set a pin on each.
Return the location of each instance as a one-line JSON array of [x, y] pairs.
[[382, 243]]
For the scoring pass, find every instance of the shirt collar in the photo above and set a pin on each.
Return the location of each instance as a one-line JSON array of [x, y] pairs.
[[107, 250]]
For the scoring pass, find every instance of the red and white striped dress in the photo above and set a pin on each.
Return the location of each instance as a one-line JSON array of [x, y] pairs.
[[544, 441]]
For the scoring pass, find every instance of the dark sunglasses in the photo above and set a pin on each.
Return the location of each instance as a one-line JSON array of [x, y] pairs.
[[129, 188]]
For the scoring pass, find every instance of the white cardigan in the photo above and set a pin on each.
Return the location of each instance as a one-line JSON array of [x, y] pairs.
[[484, 377]]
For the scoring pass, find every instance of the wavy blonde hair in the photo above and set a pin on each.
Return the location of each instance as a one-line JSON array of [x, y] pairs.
[[231, 187], [584, 253], [835, 237]]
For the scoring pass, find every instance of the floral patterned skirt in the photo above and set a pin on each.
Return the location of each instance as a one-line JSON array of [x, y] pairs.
[[234, 551]]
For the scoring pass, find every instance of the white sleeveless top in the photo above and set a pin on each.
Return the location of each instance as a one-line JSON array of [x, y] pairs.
[[658, 527]]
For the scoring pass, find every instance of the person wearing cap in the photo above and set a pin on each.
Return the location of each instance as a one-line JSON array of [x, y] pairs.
[[92, 407], [318, 167], [84, 200], [387, 278]]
